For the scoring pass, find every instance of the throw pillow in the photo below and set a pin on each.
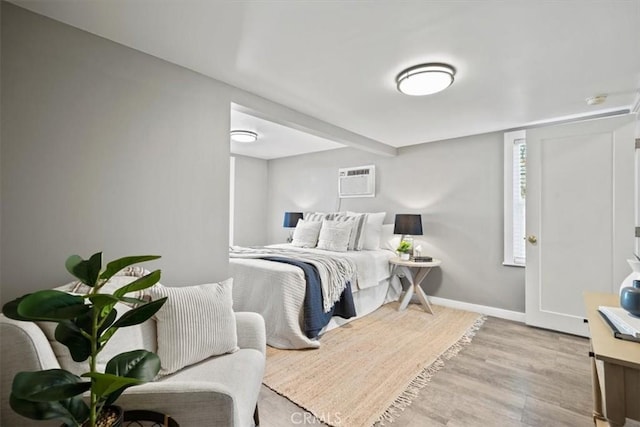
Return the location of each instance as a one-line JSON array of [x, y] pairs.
[[306, 233], [388, 240], [335, 235], [116, 282], [195, 323], [373, 230], [142, 336], [356, 241], [314, 216]]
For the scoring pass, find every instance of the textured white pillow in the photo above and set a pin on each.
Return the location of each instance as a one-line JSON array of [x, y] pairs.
[[334, 235], [195, 323], [137, 337], [373, 230], [306, 233], [356, 241], [314, 216], [116, 282]]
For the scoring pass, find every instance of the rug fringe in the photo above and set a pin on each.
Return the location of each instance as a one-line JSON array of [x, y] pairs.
[[423, 378]]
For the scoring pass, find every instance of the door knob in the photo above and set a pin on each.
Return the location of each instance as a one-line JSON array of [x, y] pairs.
[[532, 239]]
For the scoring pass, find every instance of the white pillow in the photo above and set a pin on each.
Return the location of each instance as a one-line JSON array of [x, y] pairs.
[[116, 282], [388, 240], [356, 241], [372, 230], [137, 337], [334, 235], [195, 323], [306, 233], [314, 216]]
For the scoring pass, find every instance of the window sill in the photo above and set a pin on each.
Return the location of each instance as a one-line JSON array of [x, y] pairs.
[[511, 264]]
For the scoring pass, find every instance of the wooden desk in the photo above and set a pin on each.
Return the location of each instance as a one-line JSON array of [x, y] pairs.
[[615, 367]]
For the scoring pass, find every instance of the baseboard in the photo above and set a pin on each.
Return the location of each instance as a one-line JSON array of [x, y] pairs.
[[484, 309]]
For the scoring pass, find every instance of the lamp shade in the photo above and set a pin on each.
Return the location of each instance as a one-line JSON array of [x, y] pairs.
[[409, 224], [291, 219]]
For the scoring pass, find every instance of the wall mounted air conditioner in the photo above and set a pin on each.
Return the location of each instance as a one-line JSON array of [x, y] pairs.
[[357, 182]]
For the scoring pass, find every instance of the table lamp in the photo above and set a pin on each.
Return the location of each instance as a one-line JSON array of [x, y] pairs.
[[290, 221], [408, 225]]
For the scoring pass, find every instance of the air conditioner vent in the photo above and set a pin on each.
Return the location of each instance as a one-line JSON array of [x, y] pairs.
[[358, 172], [357, 182]]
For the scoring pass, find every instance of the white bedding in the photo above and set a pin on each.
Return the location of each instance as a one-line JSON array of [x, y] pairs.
[[277, 290], [371, 266]]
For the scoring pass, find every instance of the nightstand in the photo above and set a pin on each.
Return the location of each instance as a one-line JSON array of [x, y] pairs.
[[414, 272]]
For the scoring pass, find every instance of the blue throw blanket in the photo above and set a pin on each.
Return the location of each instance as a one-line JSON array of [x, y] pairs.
[[314, 317]]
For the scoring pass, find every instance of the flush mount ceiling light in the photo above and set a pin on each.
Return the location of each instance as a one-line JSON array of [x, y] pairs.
[[243, 136], [425, 79]]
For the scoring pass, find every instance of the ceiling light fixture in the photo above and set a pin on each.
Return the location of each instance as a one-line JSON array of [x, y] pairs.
[[425, 79], [243, 136]]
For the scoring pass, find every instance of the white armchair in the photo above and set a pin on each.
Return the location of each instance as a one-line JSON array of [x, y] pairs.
[[220, 391]]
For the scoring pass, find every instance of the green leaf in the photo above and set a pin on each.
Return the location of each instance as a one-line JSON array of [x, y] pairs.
[[139, 364], [139, 314], [72, 411], [114, 266], [47, 386], [69, 334], [105, 384], [10, 309], [132, 301], [137, 285], [52, 305], [103, 300], [111, 317], [86, 271]]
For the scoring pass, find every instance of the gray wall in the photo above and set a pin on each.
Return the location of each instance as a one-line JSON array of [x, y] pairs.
[[251, 186], [456, 185], [106, 148]]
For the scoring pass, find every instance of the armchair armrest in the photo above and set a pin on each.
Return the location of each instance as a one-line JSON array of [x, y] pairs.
[[251, 331], [190, 403]]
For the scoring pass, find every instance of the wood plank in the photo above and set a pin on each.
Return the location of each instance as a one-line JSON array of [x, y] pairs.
[[510, 375]]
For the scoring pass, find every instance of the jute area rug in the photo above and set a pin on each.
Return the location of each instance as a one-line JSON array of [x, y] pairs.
[[370, 369]]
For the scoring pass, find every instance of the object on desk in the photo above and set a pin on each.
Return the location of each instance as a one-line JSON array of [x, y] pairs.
[[630, 298], [422, 259], [621, 323], [635, 274]]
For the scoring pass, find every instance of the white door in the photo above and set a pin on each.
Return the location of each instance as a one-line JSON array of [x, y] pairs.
[[580, 217]]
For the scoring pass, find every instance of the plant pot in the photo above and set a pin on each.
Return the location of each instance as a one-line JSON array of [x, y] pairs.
[[630, 298], [635, 275], [404, 256], [115, 414]]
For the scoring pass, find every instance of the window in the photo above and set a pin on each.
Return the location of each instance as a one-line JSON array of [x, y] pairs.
[[515, 191]]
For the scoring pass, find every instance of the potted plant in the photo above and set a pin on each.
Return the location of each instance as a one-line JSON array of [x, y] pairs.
[[404, 250], [85, 323]]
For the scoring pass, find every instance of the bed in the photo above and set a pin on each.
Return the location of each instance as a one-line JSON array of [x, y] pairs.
[[277, 289]]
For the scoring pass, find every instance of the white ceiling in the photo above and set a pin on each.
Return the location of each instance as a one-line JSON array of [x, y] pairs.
[[274, 140], [518, 62]]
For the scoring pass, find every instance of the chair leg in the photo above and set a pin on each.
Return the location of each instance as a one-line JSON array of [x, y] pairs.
[[256, 416]]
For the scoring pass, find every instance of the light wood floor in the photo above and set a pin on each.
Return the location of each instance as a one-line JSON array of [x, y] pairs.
[[511, 375]]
